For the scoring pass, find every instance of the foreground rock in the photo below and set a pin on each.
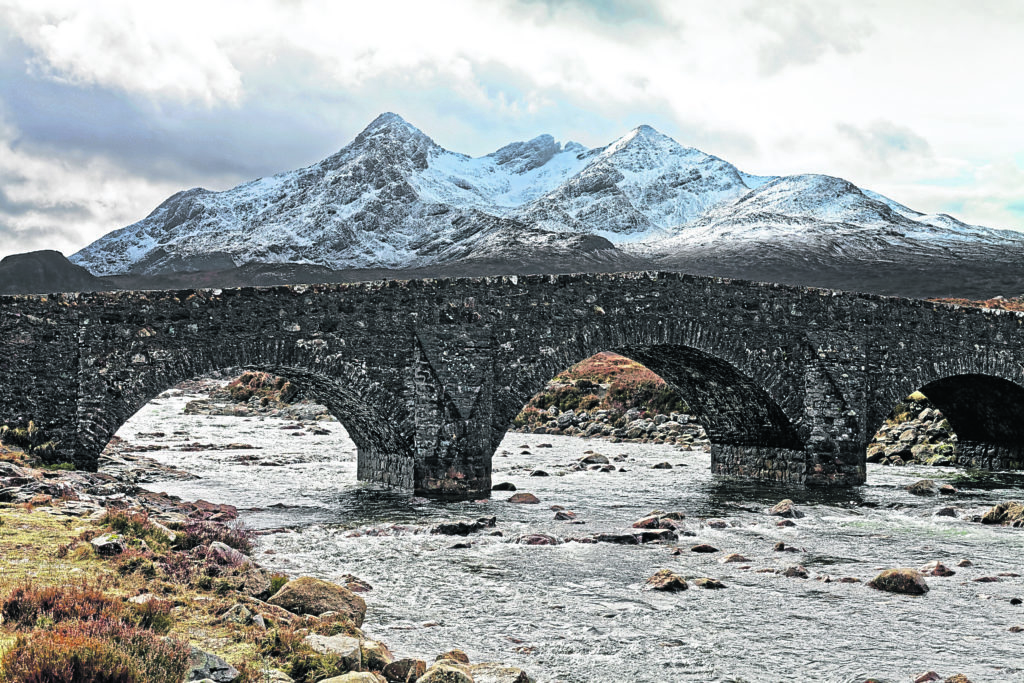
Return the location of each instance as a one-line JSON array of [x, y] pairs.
[[447, 671], [904, 581], [1010, 513], [404, 670], [489, 672], [204, 666], [307, 595]]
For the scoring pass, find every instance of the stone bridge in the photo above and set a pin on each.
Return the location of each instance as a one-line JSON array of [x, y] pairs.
[[426, 375]]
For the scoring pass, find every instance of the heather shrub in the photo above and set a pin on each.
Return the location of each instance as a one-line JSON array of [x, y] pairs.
[[136, 525], [95, 652], [154, 614], [200, 533], [28, 603]]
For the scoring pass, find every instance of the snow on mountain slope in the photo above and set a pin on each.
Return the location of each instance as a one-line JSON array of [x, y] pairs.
[[393, 198]]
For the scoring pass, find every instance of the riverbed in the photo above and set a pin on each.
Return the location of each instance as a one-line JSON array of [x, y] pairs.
[[577, 612]]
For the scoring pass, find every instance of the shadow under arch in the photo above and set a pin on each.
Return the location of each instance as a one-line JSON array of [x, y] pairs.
[[375, 420], [735, 410], [987, 415]]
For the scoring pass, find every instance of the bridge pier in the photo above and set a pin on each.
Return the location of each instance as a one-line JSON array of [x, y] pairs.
[[789, 465]]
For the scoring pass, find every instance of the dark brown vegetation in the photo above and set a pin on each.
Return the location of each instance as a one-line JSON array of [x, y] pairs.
[[605, 381]]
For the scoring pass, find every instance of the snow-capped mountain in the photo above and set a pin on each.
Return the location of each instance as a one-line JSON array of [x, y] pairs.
[[394, 199]]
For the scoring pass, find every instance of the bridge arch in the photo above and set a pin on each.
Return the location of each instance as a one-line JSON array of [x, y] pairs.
[[984, 411], [742, 394], [376, 420]]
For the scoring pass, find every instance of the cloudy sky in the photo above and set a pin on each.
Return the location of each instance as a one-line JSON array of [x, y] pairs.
[[108, 106]]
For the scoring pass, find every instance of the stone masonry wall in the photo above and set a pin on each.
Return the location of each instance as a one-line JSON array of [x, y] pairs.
[[789, 383]]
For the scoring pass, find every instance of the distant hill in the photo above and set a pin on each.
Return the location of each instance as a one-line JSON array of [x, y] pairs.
[[43, 272]]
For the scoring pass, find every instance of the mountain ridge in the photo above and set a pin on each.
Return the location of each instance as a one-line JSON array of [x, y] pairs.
[[394, 199]]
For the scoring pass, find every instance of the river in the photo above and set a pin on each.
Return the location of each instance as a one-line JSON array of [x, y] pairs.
[[576, 612]]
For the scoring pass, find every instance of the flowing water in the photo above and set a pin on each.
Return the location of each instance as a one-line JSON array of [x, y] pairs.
[[577, 612]]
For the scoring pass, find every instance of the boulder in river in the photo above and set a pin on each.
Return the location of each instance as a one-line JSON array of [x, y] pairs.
[[1010, 513], [704, 548], [463, 527], [527, 498], [594, 459], [306, 595], [795, 571], [537, 539], [957, 678], [936, 568], [504, 486], [666, 580], [662, 466], [733, 557], [785, 508], [904, 580], [708, 583], [925, 487]]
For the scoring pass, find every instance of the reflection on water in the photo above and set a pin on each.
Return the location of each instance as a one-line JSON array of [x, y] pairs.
[[576, 612]]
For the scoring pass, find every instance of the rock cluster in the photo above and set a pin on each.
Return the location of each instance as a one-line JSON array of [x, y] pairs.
[[634, 426], [924, 438]]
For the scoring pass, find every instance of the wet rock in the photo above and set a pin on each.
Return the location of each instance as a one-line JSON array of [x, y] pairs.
[[945, 512], [1017, 629], [203, 665], [924, 487], [936, 568], [733, 557], [785, 508], [958, 678], [537, 539], [504, 486], [463, 545], [715, 523], [708, 583], [618, 539], [565, 515], [527, 498], [904, 581], [539, 473], [649, 522], [704, 548], [656, 535], [355, 584], [306, 595], [346, 648], [927, 677], [785, 523], [593, 459], [108, 544], [965, 563], [947, 489], [781, 547], [795, 572], [1016, 601], [666, 580], [463, 527], [489, 672], [849, 579], [1010, 513], [404, 670], [986, 579], [662, 466]]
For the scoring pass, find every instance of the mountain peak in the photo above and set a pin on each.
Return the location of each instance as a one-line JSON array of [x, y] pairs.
[[392, 125]]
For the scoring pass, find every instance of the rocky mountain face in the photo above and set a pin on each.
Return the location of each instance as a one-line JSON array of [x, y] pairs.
[[395, 199]]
